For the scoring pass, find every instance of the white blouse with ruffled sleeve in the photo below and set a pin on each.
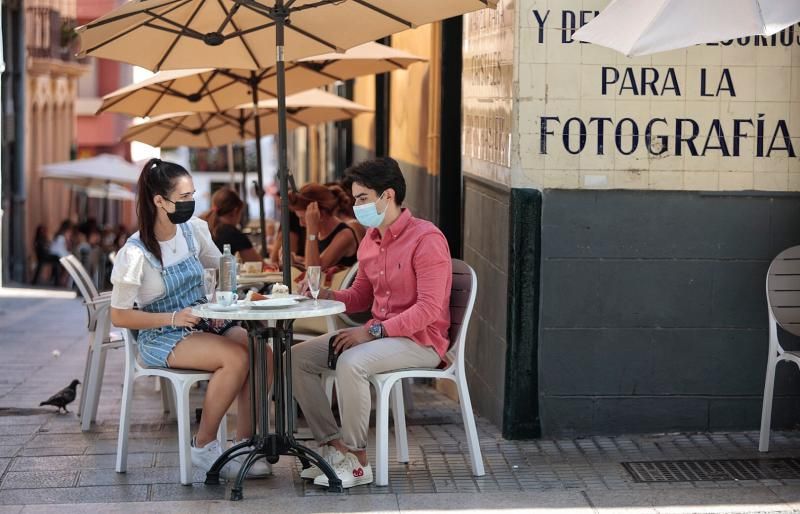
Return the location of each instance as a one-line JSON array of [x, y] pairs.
[[135, 280]]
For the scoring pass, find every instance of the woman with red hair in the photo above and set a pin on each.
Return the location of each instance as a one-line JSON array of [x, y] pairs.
[[329, 240]]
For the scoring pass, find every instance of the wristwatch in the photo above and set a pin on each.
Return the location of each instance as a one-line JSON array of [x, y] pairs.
[[376, 330]]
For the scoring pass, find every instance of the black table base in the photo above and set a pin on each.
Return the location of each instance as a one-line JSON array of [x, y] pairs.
[[265, 444]]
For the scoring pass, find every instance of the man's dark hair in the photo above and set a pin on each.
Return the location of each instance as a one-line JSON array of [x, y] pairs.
[[379, 175]]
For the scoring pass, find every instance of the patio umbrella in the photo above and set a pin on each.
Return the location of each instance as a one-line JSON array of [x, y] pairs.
[[634, 27], [102, 174], [215, 90], [178, 34], [98, 171], [211, 129]]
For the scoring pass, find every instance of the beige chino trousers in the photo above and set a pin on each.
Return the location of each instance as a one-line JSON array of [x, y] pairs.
[[353, 369]]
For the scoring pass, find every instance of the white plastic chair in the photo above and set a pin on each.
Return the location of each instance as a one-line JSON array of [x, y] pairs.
[[783, 299], [389, 392], [101, 339], [182, 381]]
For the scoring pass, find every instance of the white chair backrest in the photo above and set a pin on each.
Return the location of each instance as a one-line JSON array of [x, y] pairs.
[[348, 279], [462, 300], [80, 276], [783, 293]]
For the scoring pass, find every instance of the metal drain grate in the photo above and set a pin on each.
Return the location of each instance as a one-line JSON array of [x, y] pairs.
[[713, 470]]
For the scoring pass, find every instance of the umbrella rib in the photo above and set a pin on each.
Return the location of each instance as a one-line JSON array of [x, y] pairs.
[[385, 13], [208, 138], [171, 130], [163, 92], [115, 101], [228, 15], [100, 23], [240, 35], [236, 123], [209, 92], [395, 63], [321, 3], [320, 71], [131, 29], [312, 36], [175, 41], [184, 30]]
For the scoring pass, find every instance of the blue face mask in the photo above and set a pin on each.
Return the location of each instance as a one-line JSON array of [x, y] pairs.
[[368, 215]]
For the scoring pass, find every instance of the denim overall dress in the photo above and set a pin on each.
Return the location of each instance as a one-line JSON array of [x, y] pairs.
[[183, 284]]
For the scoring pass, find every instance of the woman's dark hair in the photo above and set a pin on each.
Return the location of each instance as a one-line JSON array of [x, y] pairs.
[[157, 178], [65, 227], [379, 175], [328, 200], [223, 202]]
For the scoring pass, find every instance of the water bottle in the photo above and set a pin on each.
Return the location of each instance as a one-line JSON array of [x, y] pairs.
[[227, 270]]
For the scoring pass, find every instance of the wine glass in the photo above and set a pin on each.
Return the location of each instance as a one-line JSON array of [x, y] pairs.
[[313, 275], [209, 282]]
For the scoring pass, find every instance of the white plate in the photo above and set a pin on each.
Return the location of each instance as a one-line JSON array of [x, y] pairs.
[[273, 303], [222, 308]]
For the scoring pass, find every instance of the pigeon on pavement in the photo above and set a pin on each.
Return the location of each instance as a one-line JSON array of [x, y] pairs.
[[63, 398]]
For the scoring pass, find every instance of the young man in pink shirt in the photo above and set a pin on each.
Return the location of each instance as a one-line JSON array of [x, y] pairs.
[[404, 276]]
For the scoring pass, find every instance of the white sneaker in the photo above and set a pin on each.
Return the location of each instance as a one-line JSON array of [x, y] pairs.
[[260, 468], [327, 452], [203, 458], [350, 472]]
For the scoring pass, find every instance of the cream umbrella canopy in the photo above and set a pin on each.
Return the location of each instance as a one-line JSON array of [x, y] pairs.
[[179, 34], [214, 90], [235, 125]]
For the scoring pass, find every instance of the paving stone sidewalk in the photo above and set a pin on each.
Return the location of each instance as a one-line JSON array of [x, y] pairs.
[[45, 459]]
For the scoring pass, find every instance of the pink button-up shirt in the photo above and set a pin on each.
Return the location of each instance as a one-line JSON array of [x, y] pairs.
[[405, 277]]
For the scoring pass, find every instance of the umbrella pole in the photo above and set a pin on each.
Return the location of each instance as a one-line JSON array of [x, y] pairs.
[[257, 120], [283, 168]]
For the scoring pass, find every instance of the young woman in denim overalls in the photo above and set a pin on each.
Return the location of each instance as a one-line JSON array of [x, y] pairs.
[[161, 269]]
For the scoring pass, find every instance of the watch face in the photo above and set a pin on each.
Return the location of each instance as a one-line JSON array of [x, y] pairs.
[[375, 330]]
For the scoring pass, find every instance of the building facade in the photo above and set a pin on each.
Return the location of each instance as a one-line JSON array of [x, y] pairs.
[[637, 204], [41, 94]]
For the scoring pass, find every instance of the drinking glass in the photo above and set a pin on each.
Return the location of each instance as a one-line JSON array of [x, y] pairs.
[[313, 275], [209, 282]]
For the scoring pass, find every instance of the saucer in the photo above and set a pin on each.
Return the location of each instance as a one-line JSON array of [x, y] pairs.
[[222, 308]]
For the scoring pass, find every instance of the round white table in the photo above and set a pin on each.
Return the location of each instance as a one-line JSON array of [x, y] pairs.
[[266, 444]]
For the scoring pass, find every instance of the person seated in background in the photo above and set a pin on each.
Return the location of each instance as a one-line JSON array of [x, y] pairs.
[[297, 234], [223, 221], [63, 239], [345, 212], [329, 240], [44, 257]]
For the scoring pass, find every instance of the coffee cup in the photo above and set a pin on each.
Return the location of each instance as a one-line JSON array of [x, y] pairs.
[[226, 298]]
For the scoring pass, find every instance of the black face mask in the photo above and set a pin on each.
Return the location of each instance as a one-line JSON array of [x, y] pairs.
[[183, 211]]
